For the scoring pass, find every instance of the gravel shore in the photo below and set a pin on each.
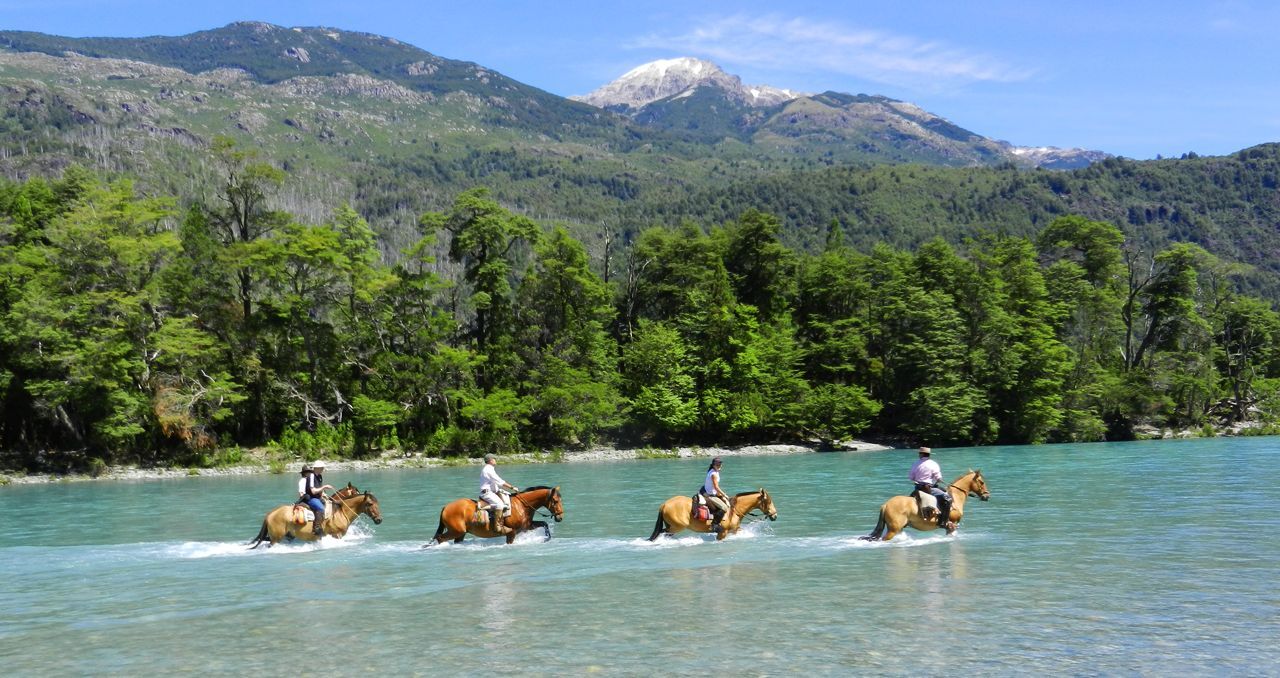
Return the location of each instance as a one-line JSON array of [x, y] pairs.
[[400, 460]]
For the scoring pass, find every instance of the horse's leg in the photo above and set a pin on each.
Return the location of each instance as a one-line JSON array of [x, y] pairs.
[[277, 530], [894, 524]]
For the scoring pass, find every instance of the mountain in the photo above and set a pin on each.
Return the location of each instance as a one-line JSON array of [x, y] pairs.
[[272, 54], [1052, 157], [396, 131], [697, 100], [677, 78]]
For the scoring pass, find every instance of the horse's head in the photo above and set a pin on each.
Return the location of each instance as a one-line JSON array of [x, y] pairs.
[[555, 504], [371, 508], [542, 496], [978, 486], [765, 502]]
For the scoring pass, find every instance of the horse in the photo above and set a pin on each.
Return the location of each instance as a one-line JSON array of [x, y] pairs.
[[348, 503], [904, 510], [676, 514], [460, 516]]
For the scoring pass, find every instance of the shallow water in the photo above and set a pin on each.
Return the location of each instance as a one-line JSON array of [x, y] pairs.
[[1123, 558]]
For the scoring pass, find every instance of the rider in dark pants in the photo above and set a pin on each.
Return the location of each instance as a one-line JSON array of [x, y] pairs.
[[927, 476], [311, 489]]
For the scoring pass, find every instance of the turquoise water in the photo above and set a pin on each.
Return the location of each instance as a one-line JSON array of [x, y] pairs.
[[1151, 558]]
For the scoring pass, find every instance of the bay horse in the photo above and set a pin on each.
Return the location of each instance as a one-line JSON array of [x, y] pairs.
[[904, 510], [348, 504], [676, 514], [460, 516]]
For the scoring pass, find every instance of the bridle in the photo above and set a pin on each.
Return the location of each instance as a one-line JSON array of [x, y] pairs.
[[752, 511], [533, 513], [969, 492]]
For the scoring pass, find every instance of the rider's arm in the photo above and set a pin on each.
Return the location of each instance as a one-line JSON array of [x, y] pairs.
[[715, 482]]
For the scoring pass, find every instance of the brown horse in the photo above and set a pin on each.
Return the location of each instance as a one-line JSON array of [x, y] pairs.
[[348, 503], [460, 516], [904, 510], [676, 514]]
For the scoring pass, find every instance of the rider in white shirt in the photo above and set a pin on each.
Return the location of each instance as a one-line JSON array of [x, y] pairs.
[[493, 490], [927, 476], [716, 498]]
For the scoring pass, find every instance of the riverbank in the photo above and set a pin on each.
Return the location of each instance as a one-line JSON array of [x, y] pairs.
[[259, 463]]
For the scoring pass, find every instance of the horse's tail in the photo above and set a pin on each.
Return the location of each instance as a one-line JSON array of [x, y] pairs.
[[880, 525], [262, 536], [440, 528], [658, 527]]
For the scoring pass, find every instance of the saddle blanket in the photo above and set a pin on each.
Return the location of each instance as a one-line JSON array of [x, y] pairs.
[[928, 503]]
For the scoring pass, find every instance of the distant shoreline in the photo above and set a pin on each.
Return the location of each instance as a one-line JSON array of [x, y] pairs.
[[397, 461]]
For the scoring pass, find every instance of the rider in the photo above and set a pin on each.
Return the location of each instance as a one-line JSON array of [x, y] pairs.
[[493, 490], [311, 489], [716, 498], [927, 476]]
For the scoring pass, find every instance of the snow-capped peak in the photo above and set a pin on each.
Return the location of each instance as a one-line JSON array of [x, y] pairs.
[[664, 78]]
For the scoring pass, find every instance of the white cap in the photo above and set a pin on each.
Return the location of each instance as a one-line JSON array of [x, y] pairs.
[[317, 464]]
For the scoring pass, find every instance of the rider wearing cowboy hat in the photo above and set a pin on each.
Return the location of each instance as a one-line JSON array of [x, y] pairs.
[[493, 490], [311, 489], [927, 476]]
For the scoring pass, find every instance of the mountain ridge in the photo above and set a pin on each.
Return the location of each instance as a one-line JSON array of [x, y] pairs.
[[692, 99]]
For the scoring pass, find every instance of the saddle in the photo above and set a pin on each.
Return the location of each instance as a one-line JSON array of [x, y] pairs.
[[481, 516], [700, 509], [303, 515], [928, 504]]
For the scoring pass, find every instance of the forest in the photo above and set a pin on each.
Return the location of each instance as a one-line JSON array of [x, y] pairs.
[[139, 329]]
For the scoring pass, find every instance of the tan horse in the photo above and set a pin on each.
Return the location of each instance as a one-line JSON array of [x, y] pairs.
[[460, 516], [348, 504], [676, 514], [904, 510]]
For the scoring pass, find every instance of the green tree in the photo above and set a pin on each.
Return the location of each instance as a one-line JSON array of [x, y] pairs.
[[568, 364]]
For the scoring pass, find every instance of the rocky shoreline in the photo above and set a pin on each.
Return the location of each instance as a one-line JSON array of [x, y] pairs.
[[400, 460]]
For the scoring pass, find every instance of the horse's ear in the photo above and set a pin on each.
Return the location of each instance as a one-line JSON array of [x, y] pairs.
[[349, 485]]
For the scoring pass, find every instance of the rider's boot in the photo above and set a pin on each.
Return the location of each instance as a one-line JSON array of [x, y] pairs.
[[497, 521], [944, 518], [716, 518], [316, 528]]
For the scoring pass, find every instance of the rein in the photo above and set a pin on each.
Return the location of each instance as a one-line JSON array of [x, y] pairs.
[[967, 493], [751, 512]]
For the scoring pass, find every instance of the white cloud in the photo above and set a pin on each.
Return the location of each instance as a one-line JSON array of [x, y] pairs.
[[779, 43]]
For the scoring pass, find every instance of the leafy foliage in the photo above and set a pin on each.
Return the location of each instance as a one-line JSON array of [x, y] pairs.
[[132, 330]]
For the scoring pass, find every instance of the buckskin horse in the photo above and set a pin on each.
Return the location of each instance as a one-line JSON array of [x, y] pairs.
[[348, 504], [461, 516], [904, 510], [676, 514]]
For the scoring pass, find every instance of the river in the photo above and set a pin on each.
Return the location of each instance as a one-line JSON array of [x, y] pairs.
[[1145, 558]]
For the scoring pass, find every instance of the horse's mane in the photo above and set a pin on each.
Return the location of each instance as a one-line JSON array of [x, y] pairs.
[[532, 489], [743, 494]]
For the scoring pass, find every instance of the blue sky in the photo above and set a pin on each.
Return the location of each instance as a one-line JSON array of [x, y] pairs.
[[1134, 78]]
